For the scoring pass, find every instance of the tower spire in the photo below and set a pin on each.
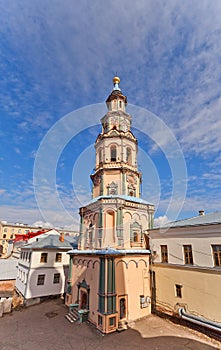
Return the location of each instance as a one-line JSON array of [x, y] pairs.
[[116, 81]]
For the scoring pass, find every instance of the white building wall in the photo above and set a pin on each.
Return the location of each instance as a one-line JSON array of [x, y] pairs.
[[49, 288], [201, 240], [28, 272]]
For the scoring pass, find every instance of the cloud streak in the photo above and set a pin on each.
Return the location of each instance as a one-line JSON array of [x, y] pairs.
[[57, 57]]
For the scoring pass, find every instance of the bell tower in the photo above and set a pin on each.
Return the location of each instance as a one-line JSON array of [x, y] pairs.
[[116, 170], [117, 217], [110, 282]]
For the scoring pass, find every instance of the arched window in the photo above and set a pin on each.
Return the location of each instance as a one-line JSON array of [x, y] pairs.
[[113, 151], [100, 156], [120, 104], [112, 189], [122, 308], [136, 237], [128, 156]]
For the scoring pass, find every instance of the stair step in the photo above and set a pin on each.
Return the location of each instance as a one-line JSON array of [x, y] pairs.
[[72, 316], [69, 318]]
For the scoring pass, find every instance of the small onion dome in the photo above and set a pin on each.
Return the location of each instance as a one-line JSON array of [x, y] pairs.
[[116, 92], [116, 80]]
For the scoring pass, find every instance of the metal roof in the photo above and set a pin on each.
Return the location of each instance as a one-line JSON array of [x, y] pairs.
[[108, 251], [127, 198], [206, 219], [51, 242]]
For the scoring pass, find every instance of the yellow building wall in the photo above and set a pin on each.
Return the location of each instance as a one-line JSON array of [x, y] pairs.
[[88, 269], [133, 280], [200, 290]]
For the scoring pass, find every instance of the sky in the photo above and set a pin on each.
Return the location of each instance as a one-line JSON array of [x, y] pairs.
[[57, 61]]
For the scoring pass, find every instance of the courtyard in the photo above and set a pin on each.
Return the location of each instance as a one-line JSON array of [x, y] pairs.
[[44, 327]]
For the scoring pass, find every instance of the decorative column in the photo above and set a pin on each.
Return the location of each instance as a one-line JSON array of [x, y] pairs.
[[101, 184], [100, 228], [101, 293], [120, 226], [81, 212], [111, 293], [140, 185], [123, 182]]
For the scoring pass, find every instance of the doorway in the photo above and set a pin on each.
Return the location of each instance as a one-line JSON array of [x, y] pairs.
[[84, 300], [122, 308]]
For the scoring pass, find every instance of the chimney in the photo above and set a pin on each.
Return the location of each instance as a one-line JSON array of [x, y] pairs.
[[61, 238], [201, 212]]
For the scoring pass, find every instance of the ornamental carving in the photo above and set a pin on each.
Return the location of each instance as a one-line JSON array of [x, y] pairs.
[[131, 178]]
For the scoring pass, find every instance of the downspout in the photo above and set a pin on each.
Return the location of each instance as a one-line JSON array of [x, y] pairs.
[[200, 321]]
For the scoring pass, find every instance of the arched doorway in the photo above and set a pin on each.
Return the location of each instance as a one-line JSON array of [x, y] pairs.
[[122, 307], [83, 300], [83, 297]]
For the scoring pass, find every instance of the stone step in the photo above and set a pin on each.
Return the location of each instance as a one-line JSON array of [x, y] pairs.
[[72, 316]]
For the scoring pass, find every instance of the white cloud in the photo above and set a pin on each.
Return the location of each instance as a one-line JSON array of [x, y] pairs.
[[161, 220], [54, 60]]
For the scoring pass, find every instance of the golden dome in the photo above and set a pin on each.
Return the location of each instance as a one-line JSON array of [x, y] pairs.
[[116, 80]]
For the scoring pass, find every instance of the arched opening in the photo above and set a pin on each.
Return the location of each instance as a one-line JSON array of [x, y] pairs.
[[128, 156], [113, 151], [131, 193], [136, 236], [100, 156], [83, 304], [110, 227], [122, 308]]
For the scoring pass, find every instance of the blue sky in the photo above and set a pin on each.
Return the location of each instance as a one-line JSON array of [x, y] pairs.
[[58, 58]]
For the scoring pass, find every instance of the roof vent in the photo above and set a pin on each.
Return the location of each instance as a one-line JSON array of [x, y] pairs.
[[201, 212]]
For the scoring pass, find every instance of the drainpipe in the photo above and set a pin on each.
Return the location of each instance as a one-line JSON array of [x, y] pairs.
[[200, 321]]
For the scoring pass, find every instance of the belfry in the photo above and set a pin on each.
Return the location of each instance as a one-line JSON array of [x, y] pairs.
[[109, 281]]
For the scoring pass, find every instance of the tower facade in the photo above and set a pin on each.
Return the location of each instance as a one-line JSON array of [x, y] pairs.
[[116, 170], [111, 265]]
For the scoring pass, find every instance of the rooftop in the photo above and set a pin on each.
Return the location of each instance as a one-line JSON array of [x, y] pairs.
[[124, 197], [109, 251], [206, 219], [52, 242]]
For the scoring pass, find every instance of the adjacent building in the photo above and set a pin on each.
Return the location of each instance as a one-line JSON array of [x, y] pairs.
[[186, 268], [43, 267], [109, 272], [8, 232]]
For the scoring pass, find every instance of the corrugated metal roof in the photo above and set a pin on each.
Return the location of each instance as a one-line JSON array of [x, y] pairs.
[[211, 218], [50, 242]]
